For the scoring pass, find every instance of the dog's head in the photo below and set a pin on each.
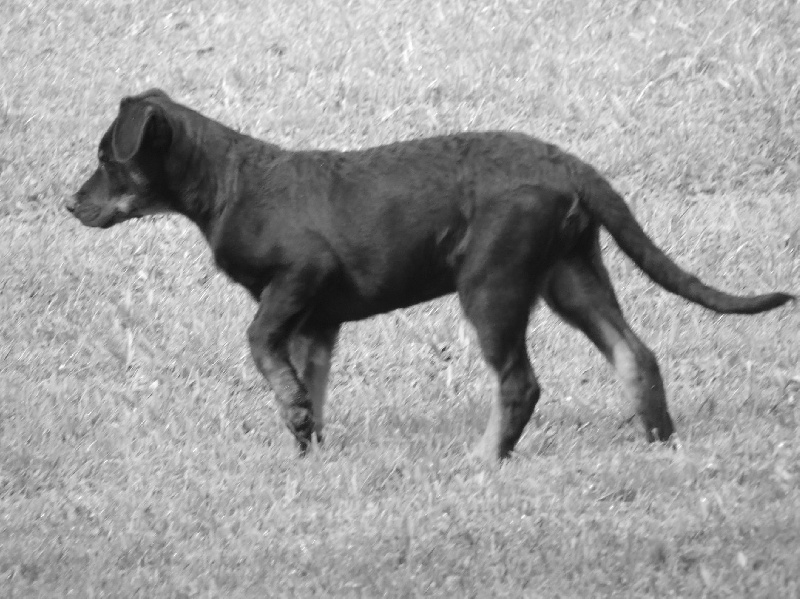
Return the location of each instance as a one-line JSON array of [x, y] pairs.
[[129, 180]]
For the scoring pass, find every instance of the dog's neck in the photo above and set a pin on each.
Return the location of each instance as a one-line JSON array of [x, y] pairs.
[[200, 188]]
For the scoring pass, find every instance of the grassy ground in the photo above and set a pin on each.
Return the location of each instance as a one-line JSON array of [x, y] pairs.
[[140, 453]]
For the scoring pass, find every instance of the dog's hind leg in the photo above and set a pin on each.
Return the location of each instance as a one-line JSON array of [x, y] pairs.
[[311, 349], [579, 290], [502, 341], [497, 288]]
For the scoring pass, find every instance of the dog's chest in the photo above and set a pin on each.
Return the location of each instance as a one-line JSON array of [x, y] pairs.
[[254, 280], [249, 262]]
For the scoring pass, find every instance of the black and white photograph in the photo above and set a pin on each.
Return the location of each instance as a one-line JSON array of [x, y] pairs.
[[370, 299]]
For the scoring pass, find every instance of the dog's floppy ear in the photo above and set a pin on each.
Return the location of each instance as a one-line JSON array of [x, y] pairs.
[[129, 128], [135, 121]]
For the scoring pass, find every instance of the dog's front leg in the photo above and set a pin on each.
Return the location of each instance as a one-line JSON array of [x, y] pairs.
[[310, 349], [279, 313]]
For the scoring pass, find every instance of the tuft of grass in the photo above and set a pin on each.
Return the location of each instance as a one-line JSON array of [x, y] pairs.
[[139, 448]]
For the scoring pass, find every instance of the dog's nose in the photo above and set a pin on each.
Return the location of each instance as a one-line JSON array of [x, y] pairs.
[[69, 203]]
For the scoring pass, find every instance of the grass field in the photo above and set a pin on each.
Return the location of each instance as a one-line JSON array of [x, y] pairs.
[[140, 451]]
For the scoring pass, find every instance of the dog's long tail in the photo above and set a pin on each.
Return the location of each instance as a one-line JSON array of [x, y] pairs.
[[608, 207]]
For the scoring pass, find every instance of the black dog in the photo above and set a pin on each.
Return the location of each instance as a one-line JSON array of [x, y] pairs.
[[322, 238]]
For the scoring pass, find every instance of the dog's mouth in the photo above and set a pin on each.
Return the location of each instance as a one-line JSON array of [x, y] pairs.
[[103, 216]]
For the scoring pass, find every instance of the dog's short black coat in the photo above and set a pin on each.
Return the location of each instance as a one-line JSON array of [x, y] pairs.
[[321, 237]]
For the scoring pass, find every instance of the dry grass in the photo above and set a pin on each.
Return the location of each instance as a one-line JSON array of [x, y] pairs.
[[139, 450]]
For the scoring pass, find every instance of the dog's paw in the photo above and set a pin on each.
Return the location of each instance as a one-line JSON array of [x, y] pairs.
[[658, 427], [300, 422], [486, 453]]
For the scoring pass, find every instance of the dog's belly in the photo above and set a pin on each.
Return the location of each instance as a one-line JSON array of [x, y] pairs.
[[343, 301]]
